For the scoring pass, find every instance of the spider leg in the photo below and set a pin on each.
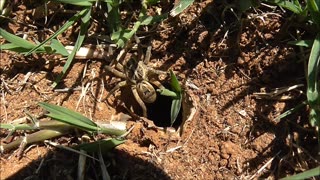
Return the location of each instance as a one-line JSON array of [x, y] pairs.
[[157, 83], [151, 71], [139, 100], [115, 72], [120, 67], [118, 86], [157, 72], [148, 55]]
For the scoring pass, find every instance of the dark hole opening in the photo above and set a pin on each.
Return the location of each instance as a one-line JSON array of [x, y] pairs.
[[159, 112]]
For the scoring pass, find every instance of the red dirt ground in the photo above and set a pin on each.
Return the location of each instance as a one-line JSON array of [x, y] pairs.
[[234, 134]]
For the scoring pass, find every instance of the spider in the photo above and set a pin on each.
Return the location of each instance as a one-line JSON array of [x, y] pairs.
[[139, 77]]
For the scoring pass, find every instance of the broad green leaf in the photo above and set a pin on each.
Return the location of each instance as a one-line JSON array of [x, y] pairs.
[[69, 117], [83, 31], [315, 172], [304, 43], [61, 30], [105, 145], [180, 6], [175, 109]]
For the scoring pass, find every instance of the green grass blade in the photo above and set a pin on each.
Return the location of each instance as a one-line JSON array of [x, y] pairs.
[[18, 41], [59, 48], [246, 5], [313, 67], [175, 109], [67, 112], [17, 126], [114, 20], [175, 83], [305, 175], [312, 81], [64, 115], [69, 117], [83, 30], [104, 144], [62, 29], [13, 47], [53, 125], [180, 6], [304, 43], [314, 115], [167, 92], [176, 102], [103, 167], [290, 111], [147, 20], [111, 131], [151, 2], [77, 2], [313, 6], [121, 36], [36, 137], [287, 5], [2, 3]]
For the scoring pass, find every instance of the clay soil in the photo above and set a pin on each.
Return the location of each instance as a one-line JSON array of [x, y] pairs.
[[223, 57]]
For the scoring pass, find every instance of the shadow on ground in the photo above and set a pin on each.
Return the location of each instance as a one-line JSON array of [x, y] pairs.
[[63, 165]]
